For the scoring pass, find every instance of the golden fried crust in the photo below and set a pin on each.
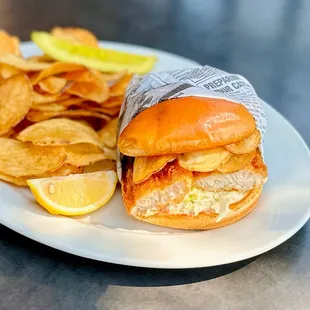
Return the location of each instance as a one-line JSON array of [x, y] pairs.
[[170, 174], [128, 188], [259, 166]]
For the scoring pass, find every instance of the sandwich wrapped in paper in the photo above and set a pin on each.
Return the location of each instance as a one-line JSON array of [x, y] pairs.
[[190, 148]]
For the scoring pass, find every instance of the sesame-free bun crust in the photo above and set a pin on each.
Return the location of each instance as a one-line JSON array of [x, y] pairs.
[[185, 125], [205, 221]]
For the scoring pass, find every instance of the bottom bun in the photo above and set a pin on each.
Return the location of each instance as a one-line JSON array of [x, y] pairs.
[[205, 221]]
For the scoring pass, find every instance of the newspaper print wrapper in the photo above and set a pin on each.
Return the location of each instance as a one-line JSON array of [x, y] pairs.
[[144, 92]]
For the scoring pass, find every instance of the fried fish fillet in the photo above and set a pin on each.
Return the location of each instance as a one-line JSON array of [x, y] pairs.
[[169, 185]]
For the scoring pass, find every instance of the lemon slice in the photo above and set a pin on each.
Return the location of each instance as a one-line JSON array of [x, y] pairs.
[[76, 194], [107, 60]]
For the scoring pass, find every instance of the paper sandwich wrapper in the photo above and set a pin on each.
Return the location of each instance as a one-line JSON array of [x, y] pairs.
[[146, 91]]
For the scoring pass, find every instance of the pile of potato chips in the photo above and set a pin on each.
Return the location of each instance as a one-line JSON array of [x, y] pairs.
[[56, 118]]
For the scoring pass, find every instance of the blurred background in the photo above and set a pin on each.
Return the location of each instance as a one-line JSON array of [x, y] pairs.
[[266, 41]]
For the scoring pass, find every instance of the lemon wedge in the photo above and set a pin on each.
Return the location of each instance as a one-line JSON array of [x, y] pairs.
[[103, 59], [75, 194]]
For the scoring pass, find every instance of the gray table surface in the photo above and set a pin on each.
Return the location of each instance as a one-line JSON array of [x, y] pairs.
[[266, 41]]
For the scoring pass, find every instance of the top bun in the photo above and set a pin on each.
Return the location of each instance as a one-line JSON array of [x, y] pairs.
[[185, 125]]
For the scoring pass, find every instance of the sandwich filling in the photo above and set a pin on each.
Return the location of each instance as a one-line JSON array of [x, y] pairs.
[[194, 202], [178, 191]]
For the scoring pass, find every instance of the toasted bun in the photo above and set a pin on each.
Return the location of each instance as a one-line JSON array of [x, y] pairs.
[[206, 221], [185, 125]]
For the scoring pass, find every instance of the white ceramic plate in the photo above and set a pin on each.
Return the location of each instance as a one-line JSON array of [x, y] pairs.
[[110, 235]]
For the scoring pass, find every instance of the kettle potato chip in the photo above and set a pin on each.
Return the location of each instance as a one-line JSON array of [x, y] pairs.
[[236, 162], [114, 102], [75, 35], [145, 166], [85, 75], [14, 180], [71, 101], [49, 107], [38, 98], [8, 134], [119, 88], [8, 44], [62, 171], [53, 85], [15, 101], [59, 131], [22, 64], [110, 153], [37, 116], [247, 145], [90, 85], [40, 58], [113, 78], [107, 135], [22, 181], [83, 154], [20, 159], [55, 69], [108, 111], [103, 165], [204, 161], [7, 71]]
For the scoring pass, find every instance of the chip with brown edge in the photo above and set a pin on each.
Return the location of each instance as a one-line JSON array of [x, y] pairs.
[[62, 171], [103, 165], [89, 85], [108, 111], [40, 58], [22, 181], [247, 145], [75, 35], [85, 75], [110, 153], [113, 102], [22, 64], [53, 85], [71, 101], [20, 159], [7, 71], [13, 180], [8, 44], [119, 88], [38, 98], [37, 116], [8, 134], [236, 162], [49, 107], [107, 135], [59, 131], [204, 161], [55, 69], [15, 101], [145, 166], [113, 78], [83, 154]]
